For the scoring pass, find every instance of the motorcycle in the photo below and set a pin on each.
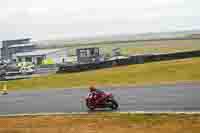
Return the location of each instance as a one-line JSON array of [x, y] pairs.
[[106, 101]]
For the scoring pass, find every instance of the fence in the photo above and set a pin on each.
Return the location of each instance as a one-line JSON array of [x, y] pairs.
[[138, 59]]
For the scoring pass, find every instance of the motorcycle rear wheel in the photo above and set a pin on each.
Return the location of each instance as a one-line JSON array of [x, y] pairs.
[[90, 107]]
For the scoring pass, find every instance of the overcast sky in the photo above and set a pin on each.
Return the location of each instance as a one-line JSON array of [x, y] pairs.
[[51, 19]]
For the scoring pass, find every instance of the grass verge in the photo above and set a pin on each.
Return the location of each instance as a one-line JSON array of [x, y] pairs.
[[141, 74], [102, 123]]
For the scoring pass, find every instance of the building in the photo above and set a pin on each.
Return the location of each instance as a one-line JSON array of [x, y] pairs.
[[1, 49], [11, 47], [88, 55], [38, 55], [23, 50]]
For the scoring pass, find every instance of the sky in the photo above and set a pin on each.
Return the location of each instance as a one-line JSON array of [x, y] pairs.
[[54, 19]]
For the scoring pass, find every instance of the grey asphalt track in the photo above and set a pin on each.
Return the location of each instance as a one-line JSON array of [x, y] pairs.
[[179, 97]]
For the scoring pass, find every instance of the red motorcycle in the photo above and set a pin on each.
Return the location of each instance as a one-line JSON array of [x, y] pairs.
[[102, 100]]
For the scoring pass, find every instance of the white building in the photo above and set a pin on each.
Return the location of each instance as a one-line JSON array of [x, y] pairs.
[[10, 47], [38, 55]]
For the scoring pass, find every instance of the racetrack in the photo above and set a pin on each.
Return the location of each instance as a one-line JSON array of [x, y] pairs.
[[179, 97]]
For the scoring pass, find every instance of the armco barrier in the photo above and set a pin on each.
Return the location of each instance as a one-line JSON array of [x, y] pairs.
[[138, 59]]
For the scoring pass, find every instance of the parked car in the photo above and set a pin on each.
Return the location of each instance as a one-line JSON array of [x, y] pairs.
[[2, 71], [27, 70], [26, 64], [20, 68]]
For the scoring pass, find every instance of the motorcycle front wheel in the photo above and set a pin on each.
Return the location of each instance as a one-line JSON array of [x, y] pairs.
[[114, 104]]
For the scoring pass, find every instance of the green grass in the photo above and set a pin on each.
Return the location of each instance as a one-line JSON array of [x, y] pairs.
[[141, 74]]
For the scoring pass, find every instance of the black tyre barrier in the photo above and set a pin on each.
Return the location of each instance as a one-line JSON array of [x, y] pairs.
[[139, 59]]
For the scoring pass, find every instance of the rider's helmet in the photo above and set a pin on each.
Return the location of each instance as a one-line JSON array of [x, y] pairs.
[[92, 88]]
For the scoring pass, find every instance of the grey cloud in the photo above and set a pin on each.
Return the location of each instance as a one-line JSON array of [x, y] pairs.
[[51, 19]]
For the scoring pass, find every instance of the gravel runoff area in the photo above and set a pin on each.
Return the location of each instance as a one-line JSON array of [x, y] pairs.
[[102, 123]]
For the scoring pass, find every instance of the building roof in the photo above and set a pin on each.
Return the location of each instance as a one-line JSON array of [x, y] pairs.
[[21, 45], [37, 52], [18, 40]]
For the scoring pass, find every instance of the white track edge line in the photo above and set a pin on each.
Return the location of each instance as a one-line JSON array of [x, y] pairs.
[[83, 113]]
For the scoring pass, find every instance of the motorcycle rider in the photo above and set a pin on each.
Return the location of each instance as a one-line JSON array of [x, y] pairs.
[[97, 94], [93, 89]]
